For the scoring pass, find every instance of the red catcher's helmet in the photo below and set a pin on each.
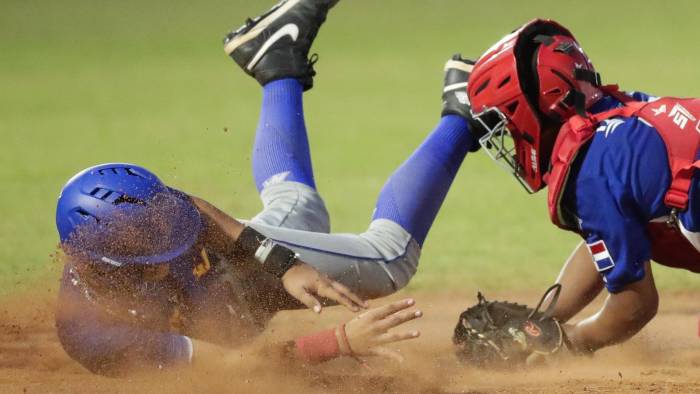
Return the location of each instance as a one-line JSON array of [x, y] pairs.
[[523, 88]]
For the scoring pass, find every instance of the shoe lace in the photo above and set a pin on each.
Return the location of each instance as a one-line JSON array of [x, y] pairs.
[[313, 59]]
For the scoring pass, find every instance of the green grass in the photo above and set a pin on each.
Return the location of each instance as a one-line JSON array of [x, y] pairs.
[[84, 82]]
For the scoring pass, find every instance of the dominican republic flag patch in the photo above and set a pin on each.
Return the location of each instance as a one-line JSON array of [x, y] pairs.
[[601, 256]]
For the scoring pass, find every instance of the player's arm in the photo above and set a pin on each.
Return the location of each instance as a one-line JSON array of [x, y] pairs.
[[619, 252], [365, 335], [229, 236], [622, 316], [109, 347], [580, 281]]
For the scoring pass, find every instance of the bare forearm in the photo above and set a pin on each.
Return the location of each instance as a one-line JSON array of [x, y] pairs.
[[222, 232], [580, 282], [312, 349], [622, 316], [227, 227], [365, 335], [607, 327]]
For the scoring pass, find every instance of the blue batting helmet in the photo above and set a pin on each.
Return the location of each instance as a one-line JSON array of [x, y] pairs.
[[99, 194]]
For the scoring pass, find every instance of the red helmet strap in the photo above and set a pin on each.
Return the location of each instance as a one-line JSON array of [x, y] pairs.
[[589, 76], [543, 39], [579, 101]]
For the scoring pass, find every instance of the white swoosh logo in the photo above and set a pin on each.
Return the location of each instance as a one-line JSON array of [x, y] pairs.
[[289, 29]]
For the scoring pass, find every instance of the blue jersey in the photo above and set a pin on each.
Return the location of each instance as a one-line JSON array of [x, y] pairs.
[[616, 188], [214, 307]]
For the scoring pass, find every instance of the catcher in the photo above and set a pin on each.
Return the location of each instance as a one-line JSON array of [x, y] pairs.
[[154, 276], [619, 168]]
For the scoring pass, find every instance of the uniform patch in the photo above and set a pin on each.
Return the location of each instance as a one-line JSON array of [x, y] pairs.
[[601, 256], [608, 127]]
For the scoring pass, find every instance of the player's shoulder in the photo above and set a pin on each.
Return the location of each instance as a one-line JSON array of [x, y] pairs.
[[631, 134], [628, 134], [641, 96], [625, 163], [625, 125], [618, 147]]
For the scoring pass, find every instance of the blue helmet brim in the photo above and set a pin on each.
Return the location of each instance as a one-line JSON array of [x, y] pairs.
[[176, 230]]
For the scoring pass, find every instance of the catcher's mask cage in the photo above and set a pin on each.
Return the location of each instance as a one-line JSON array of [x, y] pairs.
[[499, 144], [537, 77]]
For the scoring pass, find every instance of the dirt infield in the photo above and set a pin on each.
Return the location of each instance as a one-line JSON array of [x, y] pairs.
[[664, 358]]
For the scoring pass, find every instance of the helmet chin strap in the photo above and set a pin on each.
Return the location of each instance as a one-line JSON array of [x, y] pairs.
[[592, 77], [579, 102]]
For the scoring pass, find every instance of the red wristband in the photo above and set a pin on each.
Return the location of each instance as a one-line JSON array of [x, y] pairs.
[[319, 347]]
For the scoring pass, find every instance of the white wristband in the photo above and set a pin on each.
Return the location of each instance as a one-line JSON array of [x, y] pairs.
[[264, 250]]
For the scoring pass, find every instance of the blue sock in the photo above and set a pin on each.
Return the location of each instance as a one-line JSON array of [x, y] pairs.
[[281, 146], [412, 196]]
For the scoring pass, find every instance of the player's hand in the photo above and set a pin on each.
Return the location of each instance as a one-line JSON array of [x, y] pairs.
[[306, 284], [369, 332]]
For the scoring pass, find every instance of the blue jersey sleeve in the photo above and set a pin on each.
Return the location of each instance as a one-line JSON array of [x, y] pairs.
[[109, 348], [640, 96], [619, 185], [617, 241]]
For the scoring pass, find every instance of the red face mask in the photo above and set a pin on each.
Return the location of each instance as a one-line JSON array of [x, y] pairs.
[[521, 87]]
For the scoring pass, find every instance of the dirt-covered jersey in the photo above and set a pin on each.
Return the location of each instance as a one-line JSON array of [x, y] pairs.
[[215, 306]]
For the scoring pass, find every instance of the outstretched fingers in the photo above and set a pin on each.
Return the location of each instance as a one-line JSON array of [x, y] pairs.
[[307, 299], [344, 290], [389, 309], [392, 337], [341, 294], [327, 290], [396, 319]]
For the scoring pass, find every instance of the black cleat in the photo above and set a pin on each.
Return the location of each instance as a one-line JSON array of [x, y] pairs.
[[454, 93], [455, 100], [276, 44]]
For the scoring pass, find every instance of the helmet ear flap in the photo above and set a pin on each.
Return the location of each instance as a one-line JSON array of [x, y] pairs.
[[543, 39], [565, 80]]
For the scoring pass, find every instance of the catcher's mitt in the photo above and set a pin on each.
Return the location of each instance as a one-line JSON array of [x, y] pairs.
[[497, 333]]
